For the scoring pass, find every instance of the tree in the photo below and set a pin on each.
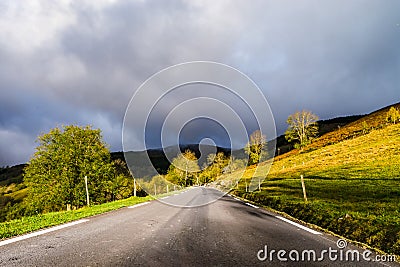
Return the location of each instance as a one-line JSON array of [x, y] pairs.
[[234, 164], [218, 162], [393, 115], [55, 174], [184, 169], [214, 167], [157, 185], [302, 128], [256, 147], [123, 185]]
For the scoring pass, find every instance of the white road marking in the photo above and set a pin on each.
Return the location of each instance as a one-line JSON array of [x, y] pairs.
[[138, 205], [164, 197], [41, 232], [237, 199], [299, 225], [251, 205]]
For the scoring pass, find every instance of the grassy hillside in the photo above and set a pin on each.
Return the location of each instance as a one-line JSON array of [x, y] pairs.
[[11, 175], [352, 179], [374, 155], [344, 131], [325, 126], [12, 188]]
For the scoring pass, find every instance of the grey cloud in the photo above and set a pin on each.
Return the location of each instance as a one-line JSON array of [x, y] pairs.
[[81, 62], [15, 147], [333, 58]]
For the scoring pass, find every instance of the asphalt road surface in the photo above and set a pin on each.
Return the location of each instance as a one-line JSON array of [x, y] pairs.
[[227, 232]]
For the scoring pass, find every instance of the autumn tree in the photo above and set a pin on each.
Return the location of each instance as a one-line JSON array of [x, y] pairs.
[[302, 128], [184, 169], [217, 162], [55, 174], [214, 167], [393, 115], [234, 164], [256, 147]]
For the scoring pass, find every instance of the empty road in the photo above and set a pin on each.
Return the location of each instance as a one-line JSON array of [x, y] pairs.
[[227, 232]]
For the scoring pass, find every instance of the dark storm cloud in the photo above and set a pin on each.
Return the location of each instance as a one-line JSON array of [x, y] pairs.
[[80, 62], [335, 58]]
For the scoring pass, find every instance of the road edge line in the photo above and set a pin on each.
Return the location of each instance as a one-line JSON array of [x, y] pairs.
[[299, 225], [138, 205], [41, 232], [251, 205]]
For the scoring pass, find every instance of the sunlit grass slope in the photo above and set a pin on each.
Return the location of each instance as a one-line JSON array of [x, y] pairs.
[[353, 185]]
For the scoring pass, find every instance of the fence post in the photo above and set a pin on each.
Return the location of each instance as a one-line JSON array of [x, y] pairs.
[[134, 187], [304, 188], [87, 191]]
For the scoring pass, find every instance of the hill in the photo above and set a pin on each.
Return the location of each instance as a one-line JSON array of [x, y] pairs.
[[325, 126], [10, 175], [352, 178], [347, 129]]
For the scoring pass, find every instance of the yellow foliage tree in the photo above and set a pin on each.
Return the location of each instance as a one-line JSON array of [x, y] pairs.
[[393, 115]]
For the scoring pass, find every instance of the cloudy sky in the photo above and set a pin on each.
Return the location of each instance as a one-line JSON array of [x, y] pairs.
[[64, 62]]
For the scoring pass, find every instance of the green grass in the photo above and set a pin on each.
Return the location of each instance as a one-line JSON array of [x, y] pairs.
[[353, 187], [375, 155], [33, 223]]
